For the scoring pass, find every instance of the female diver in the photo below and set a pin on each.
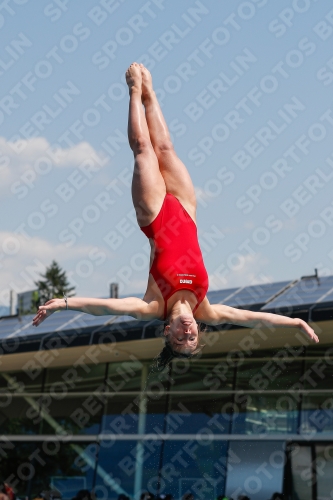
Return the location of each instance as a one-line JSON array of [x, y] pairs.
[[165, 204]]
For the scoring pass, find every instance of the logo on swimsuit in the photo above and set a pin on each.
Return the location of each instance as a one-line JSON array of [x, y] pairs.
[[186, 281]]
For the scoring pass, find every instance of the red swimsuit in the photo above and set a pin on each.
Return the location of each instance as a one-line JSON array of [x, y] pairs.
[[178, 262]]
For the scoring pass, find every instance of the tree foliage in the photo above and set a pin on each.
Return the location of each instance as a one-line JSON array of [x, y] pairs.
[[54, 284]]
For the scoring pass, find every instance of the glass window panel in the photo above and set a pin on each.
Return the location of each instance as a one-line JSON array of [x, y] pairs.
[[269, 374], [189, 414], [196, 467], [21, 381], [317, 413], [67, 467], [155, 417], [55, 464], [158, 381], [301, 463], [18, 415], [324, 462], [318, 373], [12, 456], [121, 414], [85, 378], [125, 376], [255, 469], [72, 414], [199, 375], [131, 467], [265, 414], [320, 351]]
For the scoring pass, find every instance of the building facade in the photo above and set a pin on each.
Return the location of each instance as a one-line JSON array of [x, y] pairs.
[[83, 406]]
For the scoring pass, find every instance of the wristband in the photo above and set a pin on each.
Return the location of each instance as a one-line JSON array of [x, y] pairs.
[[65, 299]]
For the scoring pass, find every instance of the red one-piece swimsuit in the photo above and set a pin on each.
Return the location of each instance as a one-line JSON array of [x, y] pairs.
[[178, 262]]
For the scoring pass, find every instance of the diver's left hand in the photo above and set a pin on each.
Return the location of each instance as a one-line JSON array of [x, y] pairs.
[[308, 330]]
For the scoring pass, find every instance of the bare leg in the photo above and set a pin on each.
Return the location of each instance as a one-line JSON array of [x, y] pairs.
[[148, 186], [176, 177]]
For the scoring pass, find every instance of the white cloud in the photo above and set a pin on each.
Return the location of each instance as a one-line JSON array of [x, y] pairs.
[[22, 261], [248, 271], [26, 159]]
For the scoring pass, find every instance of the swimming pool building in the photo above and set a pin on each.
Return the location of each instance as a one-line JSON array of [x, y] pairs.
[[82, 405]]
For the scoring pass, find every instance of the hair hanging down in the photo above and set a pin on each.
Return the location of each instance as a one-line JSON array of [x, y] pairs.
[[164, 358]]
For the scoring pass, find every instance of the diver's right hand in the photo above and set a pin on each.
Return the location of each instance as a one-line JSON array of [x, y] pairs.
[[47, 309]]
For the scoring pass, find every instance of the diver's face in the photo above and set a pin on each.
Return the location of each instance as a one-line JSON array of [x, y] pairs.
[[183, 333]]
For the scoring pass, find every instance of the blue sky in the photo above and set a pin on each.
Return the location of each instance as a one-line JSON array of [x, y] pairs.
[[246, 88]]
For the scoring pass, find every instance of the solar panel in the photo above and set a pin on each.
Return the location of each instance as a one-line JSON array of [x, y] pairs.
[[219, 296], [62, 320], [304, 292], [255, 294], [326, 297], [9, 325]]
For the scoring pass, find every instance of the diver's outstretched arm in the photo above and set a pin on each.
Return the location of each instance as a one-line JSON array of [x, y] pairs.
[[132, 306], [224, 314]]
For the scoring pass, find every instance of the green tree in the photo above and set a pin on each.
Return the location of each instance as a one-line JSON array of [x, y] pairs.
[[54, 284]]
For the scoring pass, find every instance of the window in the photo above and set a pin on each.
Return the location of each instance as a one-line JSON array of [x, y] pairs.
[[21, 381], [276, 373], [202, 375], [208, 413], [32, 467], [324, 462], [255, 469], [133, 467], [86, 378], [121, 414], [265, 414], [318, 373], [197, 467], [301, 470], [317, 413], [19, 415], [71, 414], [125, 376]]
